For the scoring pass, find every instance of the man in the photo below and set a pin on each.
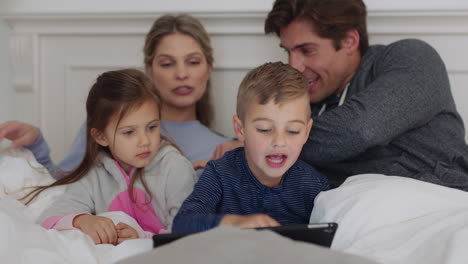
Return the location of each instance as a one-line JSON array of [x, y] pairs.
[[376, 109]]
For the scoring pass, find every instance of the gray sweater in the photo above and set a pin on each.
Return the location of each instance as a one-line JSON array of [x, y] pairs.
[[170, 178], [399, 118]]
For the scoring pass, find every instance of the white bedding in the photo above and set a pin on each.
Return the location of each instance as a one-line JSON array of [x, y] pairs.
[[23, 241], [388, 219], [397, 220]]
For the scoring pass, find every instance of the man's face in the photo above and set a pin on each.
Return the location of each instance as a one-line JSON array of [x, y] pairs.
[[328, 70]]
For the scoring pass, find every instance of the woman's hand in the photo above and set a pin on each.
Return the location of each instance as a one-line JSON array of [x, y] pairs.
[[21, 134], [249, 221], [101, 229], [125, 232]]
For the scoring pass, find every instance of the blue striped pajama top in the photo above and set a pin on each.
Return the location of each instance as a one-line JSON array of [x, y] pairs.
[[227, 186]]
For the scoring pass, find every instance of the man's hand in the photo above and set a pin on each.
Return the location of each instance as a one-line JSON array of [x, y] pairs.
[[249, 221], [199, 164], [225, 147]]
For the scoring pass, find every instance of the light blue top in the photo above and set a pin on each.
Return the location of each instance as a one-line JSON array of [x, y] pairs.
[[41, 152], [196, 141]]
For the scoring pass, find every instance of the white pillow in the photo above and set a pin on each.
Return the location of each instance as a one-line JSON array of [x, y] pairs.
[[395, 219]]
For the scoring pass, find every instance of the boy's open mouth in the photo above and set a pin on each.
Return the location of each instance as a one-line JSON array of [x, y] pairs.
[[276, 160]]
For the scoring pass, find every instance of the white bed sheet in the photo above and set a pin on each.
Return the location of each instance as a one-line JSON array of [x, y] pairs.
[[387, 219], [24, 241], [393, 219]]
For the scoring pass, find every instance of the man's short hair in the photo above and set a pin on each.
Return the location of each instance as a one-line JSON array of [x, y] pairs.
[[330, 19], [271, 81]]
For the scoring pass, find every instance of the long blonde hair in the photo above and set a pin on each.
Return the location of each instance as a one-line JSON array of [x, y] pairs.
[[188, 25]]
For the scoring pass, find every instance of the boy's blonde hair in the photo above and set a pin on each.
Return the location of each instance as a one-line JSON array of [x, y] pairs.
[[271, 81]]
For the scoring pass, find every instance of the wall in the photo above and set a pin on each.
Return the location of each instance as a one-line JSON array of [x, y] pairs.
[[59, 47], [6, 91], [139, 6], [7, 110]]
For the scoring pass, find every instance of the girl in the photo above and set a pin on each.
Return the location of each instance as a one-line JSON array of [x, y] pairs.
[[178, 59], [126, 167]]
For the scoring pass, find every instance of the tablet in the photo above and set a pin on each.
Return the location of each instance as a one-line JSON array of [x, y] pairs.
[[320, 234]]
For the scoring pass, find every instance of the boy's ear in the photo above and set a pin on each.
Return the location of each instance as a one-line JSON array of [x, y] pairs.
[[238, 128], [351, 41], [99, 137], [309, 127]]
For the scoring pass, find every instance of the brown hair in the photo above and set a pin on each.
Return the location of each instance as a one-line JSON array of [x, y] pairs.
[[271, 81], [188, 25], [113, 93], [330, 19]]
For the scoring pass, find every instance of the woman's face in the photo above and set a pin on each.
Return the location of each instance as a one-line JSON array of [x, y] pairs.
[[179, 71]]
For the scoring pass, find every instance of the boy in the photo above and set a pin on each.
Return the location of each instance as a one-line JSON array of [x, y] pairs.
[[262, 184]]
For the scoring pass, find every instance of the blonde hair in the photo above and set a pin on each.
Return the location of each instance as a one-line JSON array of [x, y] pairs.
[[190, 26], [271, 81]]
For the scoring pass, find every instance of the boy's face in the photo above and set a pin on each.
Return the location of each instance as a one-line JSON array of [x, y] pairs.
[[273, 136]]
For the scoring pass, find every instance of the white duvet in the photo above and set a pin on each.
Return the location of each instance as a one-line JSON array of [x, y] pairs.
[[397, 220], [388, 219], [24, 241]]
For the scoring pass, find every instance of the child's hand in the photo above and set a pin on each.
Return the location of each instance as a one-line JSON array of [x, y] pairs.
[[249, 221], [125, 232], [100, 229]]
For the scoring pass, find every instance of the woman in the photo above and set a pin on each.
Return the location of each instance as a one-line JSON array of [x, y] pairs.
[[178, 59]]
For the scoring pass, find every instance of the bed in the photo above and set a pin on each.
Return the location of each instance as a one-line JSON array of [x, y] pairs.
[[382, 219]]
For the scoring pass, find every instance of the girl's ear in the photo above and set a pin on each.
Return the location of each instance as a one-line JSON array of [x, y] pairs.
[[238, 128], [99, 137]]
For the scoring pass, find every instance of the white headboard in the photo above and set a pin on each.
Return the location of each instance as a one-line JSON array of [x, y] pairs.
[[56, 57]]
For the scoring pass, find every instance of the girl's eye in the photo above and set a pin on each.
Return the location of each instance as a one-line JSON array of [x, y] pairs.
[[263, 130], [152, 127], [127, 133], [194, 62], [293, 132]]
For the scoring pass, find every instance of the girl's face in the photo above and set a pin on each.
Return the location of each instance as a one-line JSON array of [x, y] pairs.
[[136, 139], [179, 71]]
